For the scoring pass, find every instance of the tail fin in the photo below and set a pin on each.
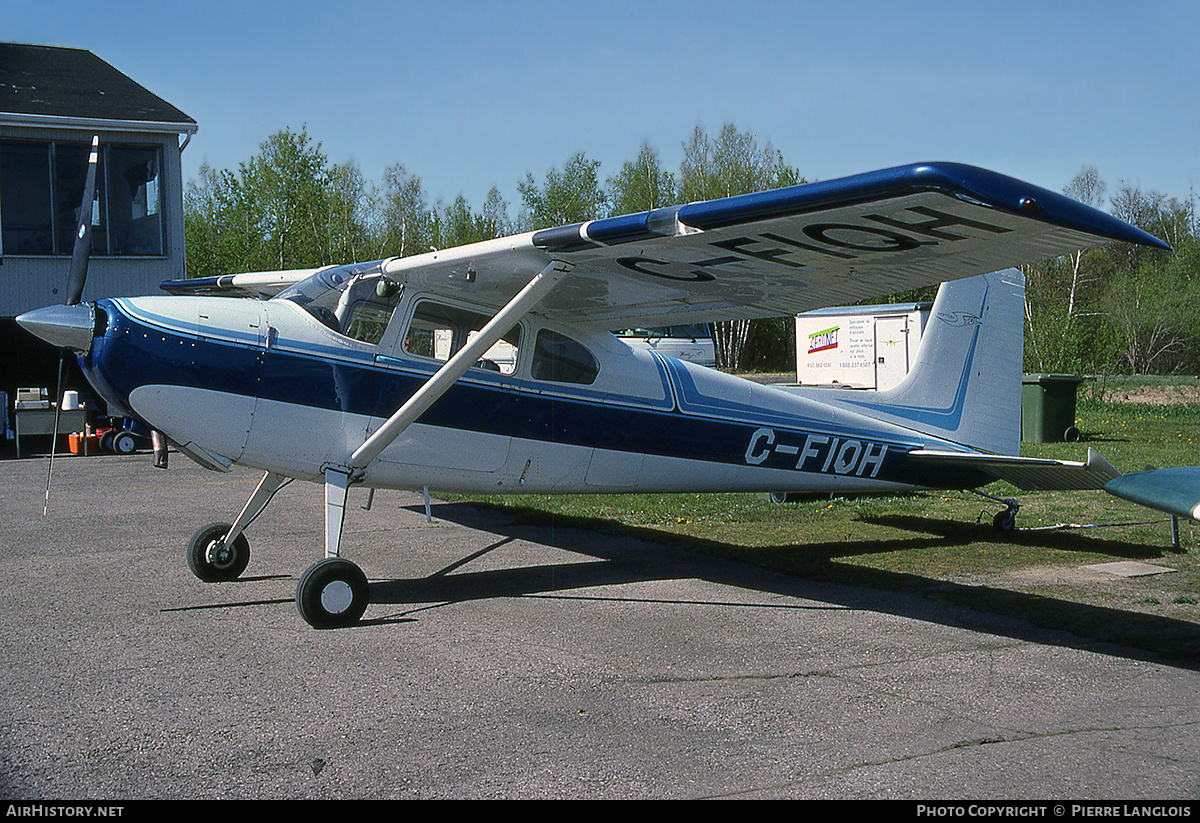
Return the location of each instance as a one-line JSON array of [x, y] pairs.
[[965, 385]]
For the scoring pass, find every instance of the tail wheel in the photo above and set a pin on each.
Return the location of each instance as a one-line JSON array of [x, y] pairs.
[[214, 561], [1005, 521], [332, 592]]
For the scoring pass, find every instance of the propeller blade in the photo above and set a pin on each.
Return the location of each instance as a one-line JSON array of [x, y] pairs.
[[75, 282], [83, 236]]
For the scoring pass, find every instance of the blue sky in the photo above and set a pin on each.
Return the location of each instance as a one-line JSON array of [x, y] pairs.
[[473, 95]]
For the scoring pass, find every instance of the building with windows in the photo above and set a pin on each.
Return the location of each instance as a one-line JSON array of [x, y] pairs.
[[52, 101]]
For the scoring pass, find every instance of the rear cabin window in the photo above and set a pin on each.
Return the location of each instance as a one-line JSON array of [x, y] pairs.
[[439, 331], [559, 359]]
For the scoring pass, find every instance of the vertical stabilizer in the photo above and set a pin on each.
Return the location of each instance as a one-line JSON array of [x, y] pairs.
[[965, 385]]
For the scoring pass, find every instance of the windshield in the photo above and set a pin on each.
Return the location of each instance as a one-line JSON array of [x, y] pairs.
[[354, 300]]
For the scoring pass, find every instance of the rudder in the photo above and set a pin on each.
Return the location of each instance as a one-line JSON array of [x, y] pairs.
[[965, 384]]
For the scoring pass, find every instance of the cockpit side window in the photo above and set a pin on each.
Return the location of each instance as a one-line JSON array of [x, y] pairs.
[[367, 318], [560, 359], [438, 331]]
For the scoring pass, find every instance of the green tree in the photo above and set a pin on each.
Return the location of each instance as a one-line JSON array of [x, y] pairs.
[[353, 237], [1119, 307], [733, 163], [495, 215], [459, 225], [408, 225], [570, 196], [219, 234], [641, 184], [278, 211], [1067, 328], [1152, 297], [285, 189], [730, 164]]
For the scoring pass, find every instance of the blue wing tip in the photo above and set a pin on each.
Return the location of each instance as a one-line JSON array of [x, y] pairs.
[[1023, 198]]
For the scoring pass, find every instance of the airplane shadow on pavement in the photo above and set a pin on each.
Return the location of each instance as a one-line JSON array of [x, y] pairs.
[[627, 554]]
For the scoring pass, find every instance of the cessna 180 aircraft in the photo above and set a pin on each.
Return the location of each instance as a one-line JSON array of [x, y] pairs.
[[490, 368]]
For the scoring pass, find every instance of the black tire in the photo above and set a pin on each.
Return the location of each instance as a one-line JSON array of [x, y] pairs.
[[1005, 521], [214, 562], [332, 593], [124, 443]]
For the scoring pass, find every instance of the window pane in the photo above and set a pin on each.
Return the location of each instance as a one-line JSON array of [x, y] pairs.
[[70, 173], [439, 331], [25, 211], [369, 313], [560, 359], [134, 206]]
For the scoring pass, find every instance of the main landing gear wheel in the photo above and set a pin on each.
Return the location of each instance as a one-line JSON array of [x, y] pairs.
[[332, 592], [211, 560]]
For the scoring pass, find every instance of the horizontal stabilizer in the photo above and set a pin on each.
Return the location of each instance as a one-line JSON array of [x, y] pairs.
[[1030, 473], [1175, 491]]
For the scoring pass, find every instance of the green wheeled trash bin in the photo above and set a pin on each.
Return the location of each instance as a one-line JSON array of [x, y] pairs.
[[1048, 407]]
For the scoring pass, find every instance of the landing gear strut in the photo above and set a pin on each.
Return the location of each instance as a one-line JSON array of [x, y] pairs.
[[219, 552], [1006, 521], [214, 559]]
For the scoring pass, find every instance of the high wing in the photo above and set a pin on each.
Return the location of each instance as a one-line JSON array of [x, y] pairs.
[[259, 284], [779, 252], [769, 254]]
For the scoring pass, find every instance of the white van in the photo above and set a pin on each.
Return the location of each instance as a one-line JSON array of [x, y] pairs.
[[692, 342]]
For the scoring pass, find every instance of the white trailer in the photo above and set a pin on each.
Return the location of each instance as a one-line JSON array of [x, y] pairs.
[[861, 347]]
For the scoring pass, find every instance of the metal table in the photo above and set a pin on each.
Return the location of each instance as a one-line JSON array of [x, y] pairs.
[[41, 421]]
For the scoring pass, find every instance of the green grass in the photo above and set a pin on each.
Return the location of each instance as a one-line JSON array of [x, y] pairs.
[[940, 545]]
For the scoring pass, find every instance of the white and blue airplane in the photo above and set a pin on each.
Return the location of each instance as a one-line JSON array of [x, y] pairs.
[[490, 368]]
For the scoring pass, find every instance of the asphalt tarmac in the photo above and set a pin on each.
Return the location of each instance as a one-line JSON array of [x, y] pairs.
[[507, 661]]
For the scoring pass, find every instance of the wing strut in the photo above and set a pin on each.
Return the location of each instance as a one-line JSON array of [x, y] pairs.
[[456, 366]]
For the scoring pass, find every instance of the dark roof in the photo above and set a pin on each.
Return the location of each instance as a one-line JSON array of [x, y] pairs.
[[53, 82]]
